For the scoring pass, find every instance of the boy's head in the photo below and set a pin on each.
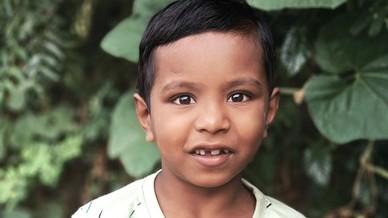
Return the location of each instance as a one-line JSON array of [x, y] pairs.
[[183, 18], [205, 90]]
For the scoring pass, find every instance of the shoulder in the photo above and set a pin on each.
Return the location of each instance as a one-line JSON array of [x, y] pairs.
[[119, 203], [277, 209], [269, 207]]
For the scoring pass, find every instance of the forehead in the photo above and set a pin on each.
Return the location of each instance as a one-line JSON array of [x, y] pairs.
[[211, 52]]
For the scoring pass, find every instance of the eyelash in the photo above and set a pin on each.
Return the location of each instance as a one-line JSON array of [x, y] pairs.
[[177, 99], [246, 96]]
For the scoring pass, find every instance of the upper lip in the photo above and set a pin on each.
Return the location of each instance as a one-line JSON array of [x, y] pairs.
[[212, 146]]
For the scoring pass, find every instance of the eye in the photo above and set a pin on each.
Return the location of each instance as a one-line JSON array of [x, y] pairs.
[[183, 99], [239, 97]]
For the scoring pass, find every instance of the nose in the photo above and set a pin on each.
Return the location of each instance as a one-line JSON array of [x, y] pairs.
[[212, 118]]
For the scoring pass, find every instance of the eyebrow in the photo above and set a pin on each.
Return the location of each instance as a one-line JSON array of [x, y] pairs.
[[245, 81], [179, 84], [194, 86]]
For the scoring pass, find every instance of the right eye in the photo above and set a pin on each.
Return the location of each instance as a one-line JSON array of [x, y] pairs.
[[183, 100]]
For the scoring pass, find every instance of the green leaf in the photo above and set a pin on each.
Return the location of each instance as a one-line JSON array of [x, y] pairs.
[[2, 94], [127, 140], [123, 41], [281, 4], [46, 161], [294, 52], [352, 103], [318, 166], [12, 186], [376, 26], [338, 51], [16, 99], [346, 109], [2, 141], [46, 126], [15, 213]]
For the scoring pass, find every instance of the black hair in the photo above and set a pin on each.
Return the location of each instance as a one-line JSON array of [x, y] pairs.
[[188, 17]]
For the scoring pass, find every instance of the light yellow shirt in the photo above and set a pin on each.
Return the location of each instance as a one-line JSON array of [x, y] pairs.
[[138, 200]]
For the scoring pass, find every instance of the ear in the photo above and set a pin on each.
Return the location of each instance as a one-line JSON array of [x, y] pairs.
[[273, 106], [144, 116]]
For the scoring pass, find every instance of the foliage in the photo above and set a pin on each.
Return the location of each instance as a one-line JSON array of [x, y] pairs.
[[339, 99], [28, 57], [281, 4], [294, 51], [36, 139], [127, 140], [48, 114], [130, 30], [68, 130]]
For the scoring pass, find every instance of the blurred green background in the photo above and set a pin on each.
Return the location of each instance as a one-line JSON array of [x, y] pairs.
[[68, 131]]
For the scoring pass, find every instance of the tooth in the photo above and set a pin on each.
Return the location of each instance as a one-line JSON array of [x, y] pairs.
[[197, 151], [202, 152], [215, 152], [226, 151]]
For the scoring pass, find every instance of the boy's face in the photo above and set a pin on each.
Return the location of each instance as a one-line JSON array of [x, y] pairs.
[[209, 107]]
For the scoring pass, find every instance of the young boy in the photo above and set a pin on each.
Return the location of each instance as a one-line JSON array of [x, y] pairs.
[[205, 98]]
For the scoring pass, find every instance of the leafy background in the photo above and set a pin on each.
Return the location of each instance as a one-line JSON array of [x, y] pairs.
[[68, 132]]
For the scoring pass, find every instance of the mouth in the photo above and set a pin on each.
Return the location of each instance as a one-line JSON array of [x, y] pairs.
[[211, 152], [211, 156]]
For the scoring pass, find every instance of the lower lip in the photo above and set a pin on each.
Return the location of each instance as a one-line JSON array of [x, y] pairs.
[[212, 161]]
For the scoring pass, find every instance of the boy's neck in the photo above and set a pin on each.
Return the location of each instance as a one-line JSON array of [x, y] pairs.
[[178, 198]]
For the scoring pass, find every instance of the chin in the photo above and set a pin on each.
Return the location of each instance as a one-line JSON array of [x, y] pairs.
[[210, 181]]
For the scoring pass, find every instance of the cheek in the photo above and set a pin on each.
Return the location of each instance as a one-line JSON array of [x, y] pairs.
[[170, 129], [251, 134], [251, 124]]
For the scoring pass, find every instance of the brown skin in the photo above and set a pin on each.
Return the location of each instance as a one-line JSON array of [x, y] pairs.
[[210, 90]]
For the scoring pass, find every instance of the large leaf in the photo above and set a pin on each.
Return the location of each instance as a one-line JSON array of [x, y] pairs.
[[123, 41], [281, 4], [352, 103], [346, 109], [339, 51], [127, 140]]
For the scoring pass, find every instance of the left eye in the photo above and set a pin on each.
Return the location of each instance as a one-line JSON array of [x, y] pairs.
[[238, 97], [183, 100]]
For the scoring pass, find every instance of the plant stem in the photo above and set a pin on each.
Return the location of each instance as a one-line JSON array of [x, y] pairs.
[[367, 165], [377, 170]]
